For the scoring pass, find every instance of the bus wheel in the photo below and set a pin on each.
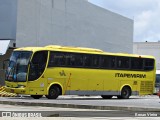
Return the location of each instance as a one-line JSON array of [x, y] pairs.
[[36, 96], [106, 96], [125, 93], [53, 92]]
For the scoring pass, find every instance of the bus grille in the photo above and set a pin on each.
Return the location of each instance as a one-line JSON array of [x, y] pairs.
[[146, 87]]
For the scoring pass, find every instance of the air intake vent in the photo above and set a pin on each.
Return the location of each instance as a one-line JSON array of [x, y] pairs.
[[146, 87]]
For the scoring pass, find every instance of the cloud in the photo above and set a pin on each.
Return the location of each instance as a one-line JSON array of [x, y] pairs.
[[145, 14], [147, 25], [126, 7], [142, 21]]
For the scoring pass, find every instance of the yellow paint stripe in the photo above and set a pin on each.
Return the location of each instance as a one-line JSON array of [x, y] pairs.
[[3, 93]]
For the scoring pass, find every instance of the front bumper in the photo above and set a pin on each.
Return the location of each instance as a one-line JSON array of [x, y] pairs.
[[15, 90]]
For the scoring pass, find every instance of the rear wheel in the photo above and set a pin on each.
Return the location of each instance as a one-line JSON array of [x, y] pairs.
[[36, 96], [125, 93], [53, 93], [106, 96]]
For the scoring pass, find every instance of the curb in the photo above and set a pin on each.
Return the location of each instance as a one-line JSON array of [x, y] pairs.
[[80, 106]]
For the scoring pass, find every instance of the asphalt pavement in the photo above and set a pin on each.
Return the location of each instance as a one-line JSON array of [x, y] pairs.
[[135, 103]]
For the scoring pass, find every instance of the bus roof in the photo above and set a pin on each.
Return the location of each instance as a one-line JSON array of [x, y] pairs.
[[73, 48], [79, 50]]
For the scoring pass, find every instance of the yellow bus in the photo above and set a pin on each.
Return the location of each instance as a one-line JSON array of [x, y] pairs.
[[63, 70]]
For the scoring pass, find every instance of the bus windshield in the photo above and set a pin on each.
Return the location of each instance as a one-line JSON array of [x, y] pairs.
[[18, 66]]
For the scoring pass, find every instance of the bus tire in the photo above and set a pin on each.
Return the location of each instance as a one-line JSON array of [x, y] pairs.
[[36, 96], [106, 96], [53, 93], [125, 93]]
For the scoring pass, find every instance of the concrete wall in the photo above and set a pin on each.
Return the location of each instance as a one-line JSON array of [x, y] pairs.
[[148, 48], [73, 23], [8, 19], [8, 23]]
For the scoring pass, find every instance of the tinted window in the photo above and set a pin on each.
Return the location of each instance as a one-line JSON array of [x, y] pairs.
[[107, 61], [122, 62], [87, 60], [64, 59], [57, 59], [74, 60], [148, 64], [136, 63], [95, 61]]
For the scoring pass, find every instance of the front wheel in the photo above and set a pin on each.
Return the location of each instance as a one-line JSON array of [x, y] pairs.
[[36, 96], [125, 93], [53, 93]]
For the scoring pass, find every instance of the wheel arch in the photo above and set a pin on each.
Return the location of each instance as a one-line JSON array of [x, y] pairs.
[[126, 85], [56, 84]]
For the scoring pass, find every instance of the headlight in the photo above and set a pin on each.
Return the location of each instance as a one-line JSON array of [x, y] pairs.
[[21, 86]]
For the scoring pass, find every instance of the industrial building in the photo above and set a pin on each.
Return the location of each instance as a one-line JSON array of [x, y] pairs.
[[62, 22]]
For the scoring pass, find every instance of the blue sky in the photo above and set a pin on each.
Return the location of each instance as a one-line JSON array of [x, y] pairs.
[[145, 13]]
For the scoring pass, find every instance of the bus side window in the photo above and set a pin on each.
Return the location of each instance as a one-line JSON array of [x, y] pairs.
[[74, 60], [149, 64], [87, 60], [62, 59], [123, 62], [104, 62], [57, 59], [79, 60], [136, 63], [113, 62], [108, 62], [70, 59], [54, 59], [95, 61]]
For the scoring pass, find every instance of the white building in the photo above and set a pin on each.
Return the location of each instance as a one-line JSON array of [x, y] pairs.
[[148, 48]]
